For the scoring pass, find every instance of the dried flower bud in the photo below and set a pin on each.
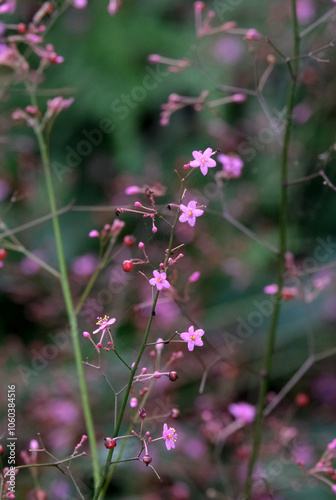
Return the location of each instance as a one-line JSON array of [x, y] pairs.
[[147, 460], [142, 412]]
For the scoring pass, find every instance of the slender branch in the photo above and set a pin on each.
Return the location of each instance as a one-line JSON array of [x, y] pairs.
[[318, 21], [67, 297], [281, 265]]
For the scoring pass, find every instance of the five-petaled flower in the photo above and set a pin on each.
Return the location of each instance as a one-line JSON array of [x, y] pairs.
[[104, 323], [170, 436], [159, 280], [193, 337], [190, 213], [203, 160]]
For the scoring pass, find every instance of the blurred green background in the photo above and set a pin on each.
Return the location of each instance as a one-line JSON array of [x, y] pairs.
[[105, 69]]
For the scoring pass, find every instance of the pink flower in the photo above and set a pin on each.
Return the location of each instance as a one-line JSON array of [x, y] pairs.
[[194, 277], [57, 104], [332, 445], [243, 411], [113, 6], [8, 7], [203, 160], [333, 488], [190, 213], [170, 436], [133, 403], [104, 323], [271, 289], [193, 337], [232, 166], [159, 280], [80, 4]]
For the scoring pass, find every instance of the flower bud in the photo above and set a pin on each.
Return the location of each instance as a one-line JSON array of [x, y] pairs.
[[147, 460], [142, 412]]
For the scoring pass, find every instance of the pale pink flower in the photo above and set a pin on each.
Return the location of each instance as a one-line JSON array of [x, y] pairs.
[[94, 233], [80, 4], [193, 337], [159, 280], [203, 160], [305, 11], [8, 7], [243, 411], [56, 105], [113, 7], [271, 289], [194, 277], [190, 213], [133, 402], [170, 436], [232, 166], [104, 323]]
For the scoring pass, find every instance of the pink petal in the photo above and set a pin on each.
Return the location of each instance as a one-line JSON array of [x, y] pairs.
[[192, 221], [207, 152], [195, 163], [204, 169], [197, 155], [191, 346], [183, 218], [185, 336], [198, 212]]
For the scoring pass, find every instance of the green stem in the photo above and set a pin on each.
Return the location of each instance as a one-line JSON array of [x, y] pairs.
[[68, 302], [281, 266], [104, 475]]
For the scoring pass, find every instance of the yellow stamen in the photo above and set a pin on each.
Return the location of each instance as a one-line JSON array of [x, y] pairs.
[[192, 337]]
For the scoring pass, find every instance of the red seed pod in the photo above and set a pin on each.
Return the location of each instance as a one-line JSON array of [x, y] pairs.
[[129, 240], [147, 460], [53, 59], [127, 266], [110, 443], [22, 28], [173, 376], [3, 253], [302, 399], [1, 449]]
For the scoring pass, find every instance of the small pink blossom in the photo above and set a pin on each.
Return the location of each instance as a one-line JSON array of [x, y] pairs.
[[253, 34], [80, 4], [194, 277], [113, 7], [332, 445], [8, 7], [232, 166], [190, 213], [271, 289], [159, 280], [243, 411], [56, 105], [133, 402], [94, 233], [193, 337], [104, 323], [170, 436], [203, 160], [159, 344]]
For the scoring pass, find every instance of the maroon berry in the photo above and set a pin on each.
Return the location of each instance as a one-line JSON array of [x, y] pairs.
[[1, 449], [147, 460], [173, 376], [3, 253], [127, 265], [302, 399], [129, 240], [110, 443], [142, 412]]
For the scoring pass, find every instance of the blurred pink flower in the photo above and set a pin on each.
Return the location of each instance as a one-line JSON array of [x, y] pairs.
[[193, 337], [56, 105], [232, 166], [170, 436], [305, 11], [203, 160], [242, 411], [190, 213], [159, 280], [194, 277], [84, 265], [229, 50], [113, 7], [8, 7], [80, 4]]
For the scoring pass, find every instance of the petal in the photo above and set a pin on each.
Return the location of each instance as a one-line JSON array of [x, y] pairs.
[[185, 336], [192, 221], [98, 329], [156, 274], [163, 276], [165, 427], [111, 321], [192, 204], [198, 342], [194, 163], [211, 163], [166, 284], [183, 208], [152, 281], [207, 152], [199, 332], [204, 169], [197, 155], [168, 444], [198, 212], [183, 218], [159, 286], [191, 346], [191, 330]]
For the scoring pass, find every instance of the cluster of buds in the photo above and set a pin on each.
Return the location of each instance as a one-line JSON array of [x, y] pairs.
[[177, 102], [109, 231], [31, 115], [323, 466]]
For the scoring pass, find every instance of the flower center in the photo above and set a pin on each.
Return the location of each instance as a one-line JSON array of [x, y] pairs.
[[102, 321], [190, 213], [160, 280], [192, 337]]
